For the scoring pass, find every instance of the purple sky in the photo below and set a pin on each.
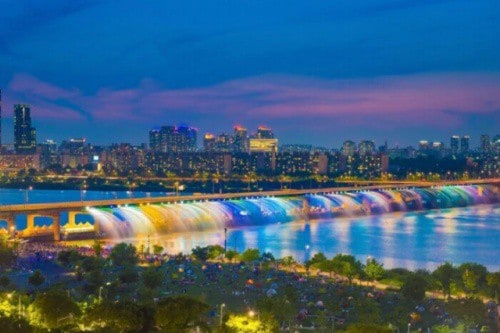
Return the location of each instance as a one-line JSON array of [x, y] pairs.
[[315, 72]]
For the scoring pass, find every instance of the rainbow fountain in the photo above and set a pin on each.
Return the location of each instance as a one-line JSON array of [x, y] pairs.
[[135, 221]]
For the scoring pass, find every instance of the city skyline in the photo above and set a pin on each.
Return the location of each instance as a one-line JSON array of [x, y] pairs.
[[317, 74]]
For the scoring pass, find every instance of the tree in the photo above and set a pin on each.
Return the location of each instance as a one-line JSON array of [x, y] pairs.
[[232, 255], [444, 274], [470, 280], [15, 324], [328, 266], [368, 328], [200, 253], [4, 281], [414, 288], [279, 307], [347, 266], [157, 249], [121, 316], [473, 276], [92, 263], [246, 324], [129, 274], [97, 247], [179, 313], [215, 251], [69, 257], [317, 259], [54, 309], [493, 280], [250, 255], [7, 256], [470, 311], [288, 261], [94, 279], [36, 279], [373, 270], [152, 278], [124, 254]]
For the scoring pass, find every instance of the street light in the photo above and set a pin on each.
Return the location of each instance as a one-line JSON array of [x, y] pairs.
[[222, 306], [26, 198]]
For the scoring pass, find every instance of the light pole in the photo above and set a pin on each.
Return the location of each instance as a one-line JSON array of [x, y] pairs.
[[26, 198], [222, 306]]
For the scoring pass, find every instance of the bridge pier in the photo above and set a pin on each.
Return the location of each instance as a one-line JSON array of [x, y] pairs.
[[30, 223], [56, 227], [11, 223]]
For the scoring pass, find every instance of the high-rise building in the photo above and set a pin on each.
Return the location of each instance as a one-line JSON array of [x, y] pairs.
[[209, 143], [366, 147], [185, 139], [241, 142], [464, 144], [264, 132], [172, 139], [423, 145], [485, 144], [348, 148], [24, 134], [155, 140], [454, 141]]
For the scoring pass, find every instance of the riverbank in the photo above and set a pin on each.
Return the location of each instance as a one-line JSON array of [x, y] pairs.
[[254, 286]]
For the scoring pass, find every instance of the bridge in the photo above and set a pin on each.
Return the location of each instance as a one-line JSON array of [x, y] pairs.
[[53, 211]]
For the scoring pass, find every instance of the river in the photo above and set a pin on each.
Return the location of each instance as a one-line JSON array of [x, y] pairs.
[[420, 239]]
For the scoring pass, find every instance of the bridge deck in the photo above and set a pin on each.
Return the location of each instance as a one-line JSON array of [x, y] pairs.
[[27, 208]]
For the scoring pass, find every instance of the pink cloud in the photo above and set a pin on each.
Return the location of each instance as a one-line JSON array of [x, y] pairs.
[[440, 99]]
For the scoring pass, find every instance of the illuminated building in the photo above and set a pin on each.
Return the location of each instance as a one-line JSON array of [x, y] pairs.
[[155, 140], [264, 132], [209, 143], [24, 134], [366, 147], [485, 144], [241, 143], [423, 145], [348, 148], [172, 139], [454, 142], [263, 145], [464, 144]]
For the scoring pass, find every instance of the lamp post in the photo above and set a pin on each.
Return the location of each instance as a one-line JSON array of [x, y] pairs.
[[83, 191], [26, 197], [222, 306]]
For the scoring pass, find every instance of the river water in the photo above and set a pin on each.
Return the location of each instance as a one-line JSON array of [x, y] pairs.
[[412, 240]]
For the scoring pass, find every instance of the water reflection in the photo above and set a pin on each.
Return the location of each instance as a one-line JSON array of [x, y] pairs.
[[412, 240]]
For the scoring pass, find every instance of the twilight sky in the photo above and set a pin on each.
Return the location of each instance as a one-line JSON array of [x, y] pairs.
[[317, 72]]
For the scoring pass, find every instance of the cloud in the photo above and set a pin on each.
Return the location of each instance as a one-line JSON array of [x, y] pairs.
[[442, 100]]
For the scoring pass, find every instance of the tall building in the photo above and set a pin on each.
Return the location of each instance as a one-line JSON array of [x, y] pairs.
[[264, 132], [155, 140], [464, 144], [209, 143], [185, 139], [366, 147], [24, 134], [348, 148], [241, 142], [172, 139], [454, 141], [485, 144], [423, 145]]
